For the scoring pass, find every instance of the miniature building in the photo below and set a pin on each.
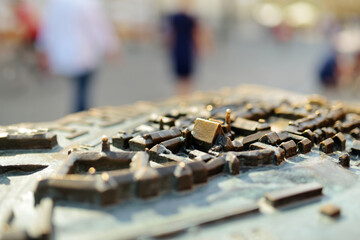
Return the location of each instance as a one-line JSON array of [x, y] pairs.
[[179, 169]]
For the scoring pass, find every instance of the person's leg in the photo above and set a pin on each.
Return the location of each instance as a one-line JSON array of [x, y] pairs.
[[184, 72], [184, 86], [81, 85], [82, 91]]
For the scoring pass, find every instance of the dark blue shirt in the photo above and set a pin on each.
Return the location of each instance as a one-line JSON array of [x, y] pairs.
[[183, 45], [183, 26]]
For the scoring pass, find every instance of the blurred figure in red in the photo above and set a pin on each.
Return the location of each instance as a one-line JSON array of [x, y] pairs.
[[28, 21], [74, 39], [283, 33], [183, 40], [27, 28]]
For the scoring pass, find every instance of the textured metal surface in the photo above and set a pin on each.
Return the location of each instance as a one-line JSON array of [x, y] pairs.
[[227, 202]]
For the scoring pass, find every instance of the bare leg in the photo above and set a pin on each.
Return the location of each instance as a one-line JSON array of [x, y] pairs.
[[184, 87]]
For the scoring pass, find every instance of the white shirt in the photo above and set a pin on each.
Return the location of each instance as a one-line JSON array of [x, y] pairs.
[[76, 35]]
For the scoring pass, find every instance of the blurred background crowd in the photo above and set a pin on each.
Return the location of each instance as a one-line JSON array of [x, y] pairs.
[[61, 56]]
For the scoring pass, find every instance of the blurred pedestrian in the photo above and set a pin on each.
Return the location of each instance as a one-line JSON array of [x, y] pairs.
[[27, 19], [329, 71], [27, 26], [182, 40], [355, 74], [73, 39]]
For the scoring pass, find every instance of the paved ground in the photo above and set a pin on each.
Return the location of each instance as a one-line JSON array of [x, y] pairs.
[[143, 74]]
